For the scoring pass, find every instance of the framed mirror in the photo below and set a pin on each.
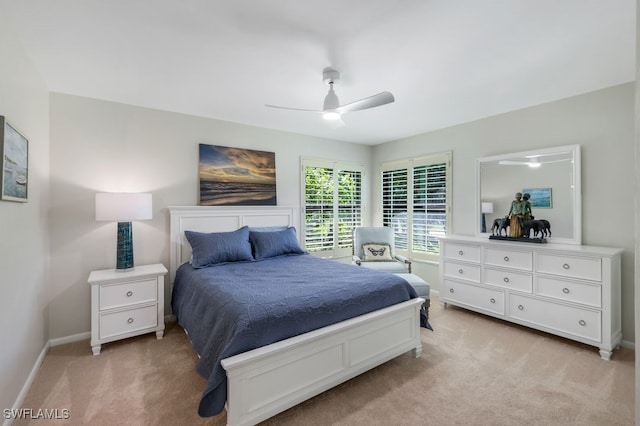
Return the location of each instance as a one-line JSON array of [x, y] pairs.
[[551, 176]]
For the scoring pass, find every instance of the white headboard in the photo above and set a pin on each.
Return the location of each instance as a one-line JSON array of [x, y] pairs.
[[220, 219]]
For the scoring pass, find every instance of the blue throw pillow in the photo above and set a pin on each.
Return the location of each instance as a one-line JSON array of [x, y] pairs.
[[276, 243], [219, 247]]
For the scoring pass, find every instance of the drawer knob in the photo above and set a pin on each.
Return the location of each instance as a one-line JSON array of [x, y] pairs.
[[506, 258], [451, 290], [460, 252], [460, 271], [129, 293], [565, 290], [566, 266], [130, 320], [582, 322], [492, 300], [521, 307], [506, 279]]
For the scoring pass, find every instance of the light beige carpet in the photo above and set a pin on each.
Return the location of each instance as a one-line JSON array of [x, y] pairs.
[[474, 370]]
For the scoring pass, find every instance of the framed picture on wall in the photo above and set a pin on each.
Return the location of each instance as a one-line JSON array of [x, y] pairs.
[[236, 176], [15, 162], [540, 197]]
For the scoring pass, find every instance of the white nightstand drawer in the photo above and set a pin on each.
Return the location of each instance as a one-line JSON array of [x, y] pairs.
[[462, 271], [585, 294], [588, 268], [113, 324], [508, 279], [462, 252], [583, 323], [473, 296], [129, 293], [509, 259]]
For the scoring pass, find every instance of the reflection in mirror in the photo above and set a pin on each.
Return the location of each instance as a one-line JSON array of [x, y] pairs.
[[551, 176]]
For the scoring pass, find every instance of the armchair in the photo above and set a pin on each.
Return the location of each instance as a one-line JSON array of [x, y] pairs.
[[374, 247]]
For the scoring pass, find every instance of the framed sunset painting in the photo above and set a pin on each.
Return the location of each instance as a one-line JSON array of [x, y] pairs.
[[236, 176]]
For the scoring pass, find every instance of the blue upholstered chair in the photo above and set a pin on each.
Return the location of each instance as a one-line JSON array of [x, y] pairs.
[[374, 247]]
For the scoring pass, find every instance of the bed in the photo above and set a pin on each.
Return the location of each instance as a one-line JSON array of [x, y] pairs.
[[273, 331]]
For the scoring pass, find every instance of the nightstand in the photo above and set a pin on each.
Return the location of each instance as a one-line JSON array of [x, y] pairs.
[[126, 304]]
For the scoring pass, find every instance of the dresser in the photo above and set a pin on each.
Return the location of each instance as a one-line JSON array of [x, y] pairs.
[[570, 291], [126, 304]]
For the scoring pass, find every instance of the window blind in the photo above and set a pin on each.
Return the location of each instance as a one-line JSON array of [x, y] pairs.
[[333, 206]]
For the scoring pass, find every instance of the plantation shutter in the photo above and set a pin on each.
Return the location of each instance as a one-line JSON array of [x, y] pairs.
[[415, 203], [394, 204], [349, 205], [333, 206]]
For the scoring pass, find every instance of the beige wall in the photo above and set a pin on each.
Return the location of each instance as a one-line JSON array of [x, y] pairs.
[[103, 146], [24, 251], [600, 122]]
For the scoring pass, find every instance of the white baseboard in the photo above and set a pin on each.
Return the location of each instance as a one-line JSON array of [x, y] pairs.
[[628, 345], [69, 339], [27, 384]]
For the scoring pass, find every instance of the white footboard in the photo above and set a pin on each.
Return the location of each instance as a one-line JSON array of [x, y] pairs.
[[271, 379]]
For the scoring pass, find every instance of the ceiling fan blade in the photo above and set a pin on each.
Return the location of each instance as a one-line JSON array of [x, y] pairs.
[[293, 109], [380, 99]]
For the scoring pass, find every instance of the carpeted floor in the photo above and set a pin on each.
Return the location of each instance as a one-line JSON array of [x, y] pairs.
[[474, 370]]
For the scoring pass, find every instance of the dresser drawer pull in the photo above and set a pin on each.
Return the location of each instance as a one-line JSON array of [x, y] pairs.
[[129, 293], [582, 322], [506, 279], [565, 290], [451, 290], [492, 300], [130, 320], [460, 252], [506, 258], [460, 271], [521, 307], [566, 266]]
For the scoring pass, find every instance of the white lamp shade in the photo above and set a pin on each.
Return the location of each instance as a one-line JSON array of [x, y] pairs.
[[487, 207], [123, 207]]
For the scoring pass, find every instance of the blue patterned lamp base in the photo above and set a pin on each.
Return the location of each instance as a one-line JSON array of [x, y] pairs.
[[124, 254]]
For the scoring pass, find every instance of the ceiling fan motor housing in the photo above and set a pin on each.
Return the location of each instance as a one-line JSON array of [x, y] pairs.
[[330, 75]]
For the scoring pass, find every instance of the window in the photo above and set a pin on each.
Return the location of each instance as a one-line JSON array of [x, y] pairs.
[[415, 203], [333, 206]]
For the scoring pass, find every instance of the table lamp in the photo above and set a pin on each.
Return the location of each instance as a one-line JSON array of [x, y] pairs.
[[123, 208], [486, 208]]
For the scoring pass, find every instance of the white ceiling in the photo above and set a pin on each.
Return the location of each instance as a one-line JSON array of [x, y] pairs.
[[446, 61]]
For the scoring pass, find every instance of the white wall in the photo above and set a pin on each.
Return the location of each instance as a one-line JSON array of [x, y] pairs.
[[102, 146], [24, 101], [601, 122]]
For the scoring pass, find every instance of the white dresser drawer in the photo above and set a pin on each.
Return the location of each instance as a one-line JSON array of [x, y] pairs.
[[575, 292], [128, 293], [462, 271], [113, 324], [467, 253], [582, 323], [473, 296], [508, 279], [509, 259], [588, 268]]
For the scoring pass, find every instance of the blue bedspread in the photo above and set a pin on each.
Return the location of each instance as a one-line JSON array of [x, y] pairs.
[[235, 307]]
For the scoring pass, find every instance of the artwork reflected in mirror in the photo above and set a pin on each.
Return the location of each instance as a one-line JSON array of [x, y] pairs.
[[531, 193]]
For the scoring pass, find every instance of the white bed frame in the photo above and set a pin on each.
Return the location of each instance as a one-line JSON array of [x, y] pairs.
[[273, 378]]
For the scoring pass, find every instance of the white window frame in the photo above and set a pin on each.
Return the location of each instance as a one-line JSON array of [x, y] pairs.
[[336, 166], [409, 165]]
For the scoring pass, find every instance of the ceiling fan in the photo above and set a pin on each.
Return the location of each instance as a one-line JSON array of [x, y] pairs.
[[332, 110]]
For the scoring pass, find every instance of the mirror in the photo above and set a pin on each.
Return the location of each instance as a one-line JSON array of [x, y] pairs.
[[551, 176]]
